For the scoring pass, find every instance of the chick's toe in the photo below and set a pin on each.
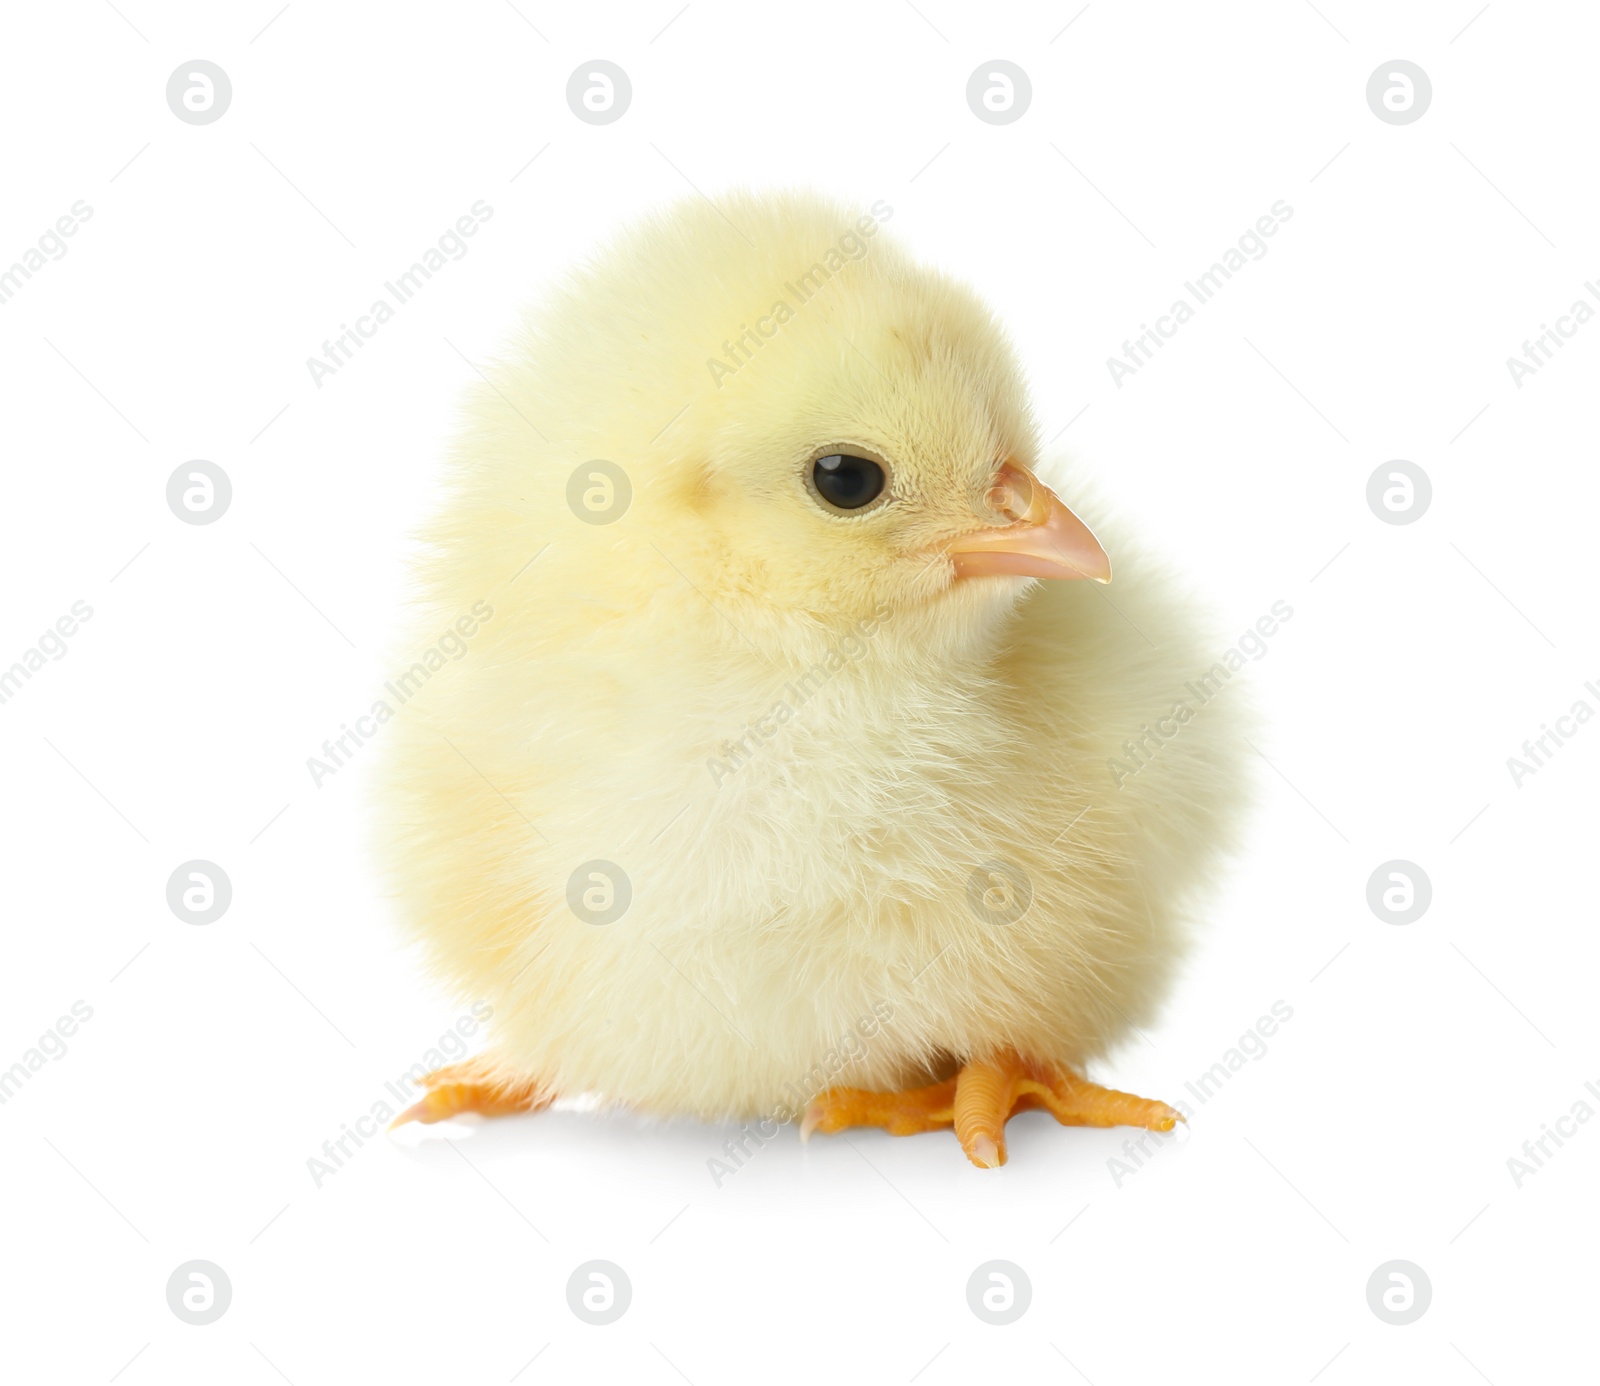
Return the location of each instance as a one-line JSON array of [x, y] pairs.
[[899, 1113], [473, 1087], [979, 1100]]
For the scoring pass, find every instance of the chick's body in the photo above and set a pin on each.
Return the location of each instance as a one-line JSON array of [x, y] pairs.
[[823, 773]]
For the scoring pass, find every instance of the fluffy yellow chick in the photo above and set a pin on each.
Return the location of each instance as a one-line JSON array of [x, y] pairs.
[[781, 777]]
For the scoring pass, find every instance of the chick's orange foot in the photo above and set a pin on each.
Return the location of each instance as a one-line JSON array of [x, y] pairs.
[[980, 1099], [473, 1087]]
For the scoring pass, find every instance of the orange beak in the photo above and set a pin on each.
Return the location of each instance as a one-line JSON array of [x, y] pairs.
[[1043, 540]]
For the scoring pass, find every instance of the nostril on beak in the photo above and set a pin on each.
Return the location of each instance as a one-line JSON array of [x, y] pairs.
[[1011, 497], [1032, 535]]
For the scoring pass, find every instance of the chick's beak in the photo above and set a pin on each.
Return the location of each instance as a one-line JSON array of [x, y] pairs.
[[1043, 540]]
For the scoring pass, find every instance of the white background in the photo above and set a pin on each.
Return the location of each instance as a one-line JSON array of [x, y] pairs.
[[179, 1123]]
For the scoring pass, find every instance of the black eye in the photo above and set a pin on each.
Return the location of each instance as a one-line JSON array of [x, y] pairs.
[[847, 482]]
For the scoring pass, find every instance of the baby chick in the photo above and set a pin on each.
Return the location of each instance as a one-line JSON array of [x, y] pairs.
[[787, 777]]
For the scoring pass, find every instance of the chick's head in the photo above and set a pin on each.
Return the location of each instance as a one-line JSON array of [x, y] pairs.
[[852, 429], [853, 444]]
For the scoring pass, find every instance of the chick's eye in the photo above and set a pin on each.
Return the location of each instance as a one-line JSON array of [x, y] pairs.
[[847, 482]]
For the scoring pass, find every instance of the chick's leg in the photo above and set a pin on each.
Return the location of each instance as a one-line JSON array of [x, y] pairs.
[[1012, 1084], [474, 1086], [979, 1100]]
